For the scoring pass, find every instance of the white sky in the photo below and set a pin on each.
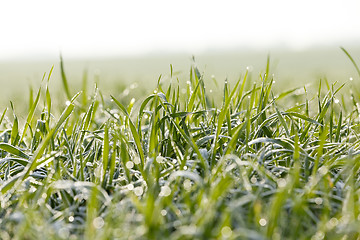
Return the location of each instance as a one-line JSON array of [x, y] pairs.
[[79, 28]]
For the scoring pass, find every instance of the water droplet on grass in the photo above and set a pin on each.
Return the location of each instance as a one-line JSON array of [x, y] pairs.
[[187, 185], [333, 222], [98, 222], [253, 180], [165, 191], [160, 159], [318, 236], [137, 160], [129, 165], [318, 201], [281, 183], [262, 222], [249, 68], [226, 232], [134, 85], [126, 92], [138, 191], [163, 212]]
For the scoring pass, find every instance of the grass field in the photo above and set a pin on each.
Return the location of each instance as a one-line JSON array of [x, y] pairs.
[[291, 68], [184, 161]]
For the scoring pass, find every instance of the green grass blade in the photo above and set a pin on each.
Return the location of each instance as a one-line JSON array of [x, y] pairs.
[[13, 150], [106, 150], [338, 128], [351, 59], [64, 80], [3, 115], [31, 114], [282, 121]]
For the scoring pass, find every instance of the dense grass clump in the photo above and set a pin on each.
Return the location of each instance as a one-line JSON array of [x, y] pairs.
[[180, 164]]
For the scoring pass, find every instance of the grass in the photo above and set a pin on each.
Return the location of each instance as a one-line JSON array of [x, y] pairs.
[[183, 163]]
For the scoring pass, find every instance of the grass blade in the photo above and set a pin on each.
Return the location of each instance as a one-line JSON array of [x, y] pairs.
[[64, 80]]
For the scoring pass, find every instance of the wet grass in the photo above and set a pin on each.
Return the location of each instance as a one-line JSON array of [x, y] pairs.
[[245, 162]]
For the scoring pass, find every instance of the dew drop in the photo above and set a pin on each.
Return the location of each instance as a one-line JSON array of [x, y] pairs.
[[71, 218], [165, 191], [98, 222], [318, 201], [334, 221], [262, 222], [138, 191], [163, 212], [126, 92], [160, 159], [187, 185], [281, 182], [134, 85], [253, 180], [130, 187], [137, 160], [226, 232], [129, 165]]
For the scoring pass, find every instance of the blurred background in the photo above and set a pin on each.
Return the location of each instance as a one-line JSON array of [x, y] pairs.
[[125, 42]]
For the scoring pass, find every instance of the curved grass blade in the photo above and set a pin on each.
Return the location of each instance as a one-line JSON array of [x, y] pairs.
[[351, 59], [17, 160], [13, 150]]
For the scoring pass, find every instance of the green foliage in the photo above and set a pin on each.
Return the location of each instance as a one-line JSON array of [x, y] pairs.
[[179, 164]]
